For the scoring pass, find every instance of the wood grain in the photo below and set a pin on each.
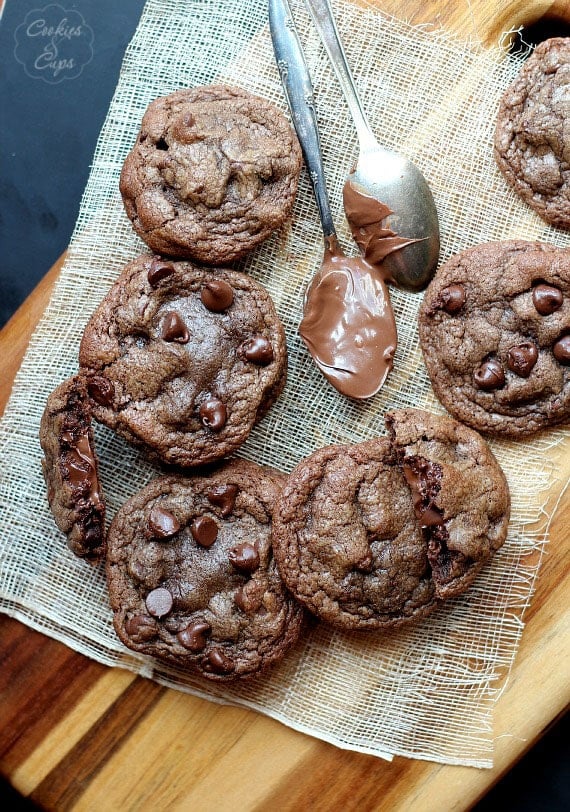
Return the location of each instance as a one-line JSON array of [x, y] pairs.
[[76, 735]]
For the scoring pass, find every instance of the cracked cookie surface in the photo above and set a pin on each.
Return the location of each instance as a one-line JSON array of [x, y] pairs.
[[494, 329], [191, 574], [70, 469], [374, 535], [532, 136], [183, 360], [213, 172]]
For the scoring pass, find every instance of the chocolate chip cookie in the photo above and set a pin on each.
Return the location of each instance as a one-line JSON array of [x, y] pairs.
[[183, 360], [374, 535], [191, 574], [532, 136], [70, 469], [494, 328], [213, 172]]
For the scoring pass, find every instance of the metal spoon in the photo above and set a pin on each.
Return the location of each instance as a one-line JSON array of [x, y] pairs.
[[386, 176], [348, 324]]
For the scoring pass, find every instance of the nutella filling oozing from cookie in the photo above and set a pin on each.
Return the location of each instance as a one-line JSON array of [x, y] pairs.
[[213, 172], [71, 470], [192, 579], [183, 360], [373, 535]]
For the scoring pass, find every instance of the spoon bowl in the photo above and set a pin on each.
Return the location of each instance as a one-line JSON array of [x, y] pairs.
[[348, 324], [385, 176]]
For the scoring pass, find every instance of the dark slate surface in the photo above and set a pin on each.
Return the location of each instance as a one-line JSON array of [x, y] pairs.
[[53, 100]]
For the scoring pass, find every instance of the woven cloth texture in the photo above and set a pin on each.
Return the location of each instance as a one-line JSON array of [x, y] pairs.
[[428, 690]]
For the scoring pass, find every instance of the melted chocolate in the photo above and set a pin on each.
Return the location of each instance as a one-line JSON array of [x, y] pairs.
[[522, 358], [82, 468], [204, 530], [348, 324], [218, 662], [174, 329], [162, 523], [158, 271], [244, 557], [422, 478], [217, 295], [213, 414], [547, 299], [561, 350], [258, 350], [489, 375], [224, 497], [365, 217], [195, 636], [141, 628]]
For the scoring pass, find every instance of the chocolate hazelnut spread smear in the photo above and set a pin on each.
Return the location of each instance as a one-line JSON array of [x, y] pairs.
[[70, 468], [348, 324], [365, 216]]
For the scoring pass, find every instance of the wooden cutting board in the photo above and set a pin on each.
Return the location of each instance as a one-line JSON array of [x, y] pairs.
[[77, 735]]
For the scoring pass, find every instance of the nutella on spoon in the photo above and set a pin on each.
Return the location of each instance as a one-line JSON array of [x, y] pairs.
[[366, 218], [348, 324], [384, 175]]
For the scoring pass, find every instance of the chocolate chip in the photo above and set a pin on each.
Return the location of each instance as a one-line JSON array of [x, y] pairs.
[[195, 636], [244, 557], [248, 597], [158, 271], [217, 295], [240, 599], [522, 358], [93, 532], [213, 414], [490, 375], [205, 530], [141, 628], [162, 523], [561, 350], [453, 298], [218, 662], [159, 602], [224, 497], [547, 299], [184, 130], [174, 329], [258, 350], [101, 390]]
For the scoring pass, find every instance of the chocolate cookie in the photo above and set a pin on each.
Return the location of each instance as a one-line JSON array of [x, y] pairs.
[[191, 574], [183, 360], [532, 137], [374, 535], [495, 333], [213, 172], [70, 469]]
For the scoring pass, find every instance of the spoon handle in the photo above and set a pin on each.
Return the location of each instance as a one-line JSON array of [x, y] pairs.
[[299, 91], [322, 14]]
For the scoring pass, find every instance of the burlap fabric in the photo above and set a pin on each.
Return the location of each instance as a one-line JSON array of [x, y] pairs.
[[426, 691]]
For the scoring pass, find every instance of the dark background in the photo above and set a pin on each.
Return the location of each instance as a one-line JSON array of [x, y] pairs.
[[48, 136]]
